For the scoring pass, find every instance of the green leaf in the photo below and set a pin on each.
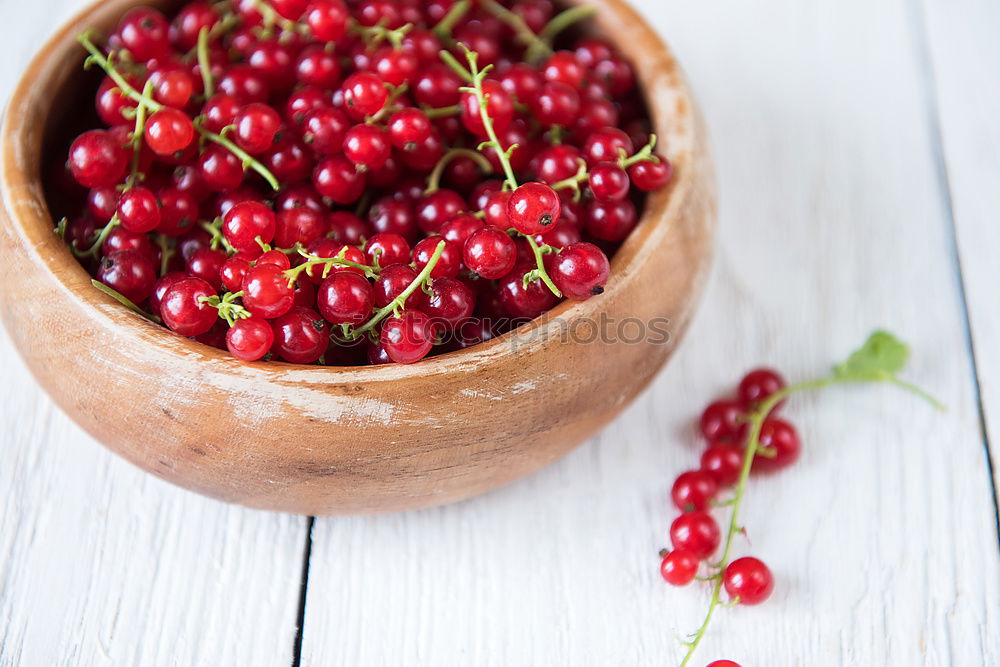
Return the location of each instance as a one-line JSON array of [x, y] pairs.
[[882, 355]]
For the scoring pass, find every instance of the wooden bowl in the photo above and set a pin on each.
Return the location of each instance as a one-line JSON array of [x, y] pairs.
[[320, 440]]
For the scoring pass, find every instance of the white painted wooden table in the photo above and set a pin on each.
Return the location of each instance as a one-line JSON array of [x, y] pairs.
[[858, 143]]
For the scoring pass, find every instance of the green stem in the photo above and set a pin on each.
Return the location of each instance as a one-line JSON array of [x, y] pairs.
[[166, 252], [122, 299], [563, 20], [756, 420], [483, 99], [522, 32], [434, 180], [204, 64], [574, 181], [450, 20], [540, 272], [644, 154], [457, 67], [228, 309], [399, 301], [327, 263], [376, 34], [441, 112]]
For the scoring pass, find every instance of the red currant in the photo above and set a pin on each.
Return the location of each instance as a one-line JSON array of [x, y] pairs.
[[300, 336], [256, 127], [648, 175], [697, 532], [748, 580], [579, 271], [250, 339], [246, 222], [679, 567], [169, 131], [758, 385], [723, 461], [97, 160], [138, 210], [723, 420], [608, 182], [780, 438], [129, 273], [407, 338], [694, 490], [490, 253], [533, 208], [266, 292], [345, 298], [183, 307]]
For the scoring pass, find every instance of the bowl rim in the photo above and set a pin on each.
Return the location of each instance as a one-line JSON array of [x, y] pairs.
[[657, 73]]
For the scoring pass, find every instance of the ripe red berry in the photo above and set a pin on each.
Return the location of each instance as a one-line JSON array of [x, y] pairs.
[[386, 248], [266, 292], [533, 208], [758, 385], [336, 177], [648, 175], [367, 146], [407, 338], [300, 336], [247, 221], [697, 532], [694, 490], [723, 663], [580, 270], [679, 567], [129, 273], [97, 160], [723, 461], [723, 420], [490, 253], [780, 438], [611, 221], [408, 127], [183, 309], [364, 94], [448, 263], [138, 210], [249, 339], [449, 303], [499, 107], [749, 580], [345, 298], [524, 301], [169, 131], [323, 130], [608, 182], [256, 127], [606, 145], [556, 104], [392, 281], [145, 33]]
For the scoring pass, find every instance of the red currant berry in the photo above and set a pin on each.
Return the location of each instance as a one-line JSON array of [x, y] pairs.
[[556, 104], [300, 336], [367, 146], [394, 216], [606, 145], [244, 84], [249, 339], [220, 111], [364, 94], [679, 567], [723, 420], [499, 107], [408, 127], [97, 160], [648, 175], [346, 228], [266, 292], [563, 66], [758, 385], [748, 580], [460, 227], [233, 271], [697, 532], [345, 298], [327, 19], [723, 462], [188, 23], [394, 66], [608, 182], [138, 210], [694, 490], [407, 338], [298, 225], [490, 253], [160, 288], [256, 127], [533, 208], [145, 33], [323, 130], [437, 208], [386, 248], [336, 177], [275, 258], [579, 271], [723, 663], [318, 67], [437, 86], [448, 263], [524, 301], [129, 273], [169, 131], [206, 264], [184, 310], [449, 304], [611, 221], [247, 221], [392, 281], [220, 169], [172, 87], [780, 438]]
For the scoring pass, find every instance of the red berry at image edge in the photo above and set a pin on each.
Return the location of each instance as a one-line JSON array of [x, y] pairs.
[[723, 663], [749, 580], [334, 136], [758, 385]]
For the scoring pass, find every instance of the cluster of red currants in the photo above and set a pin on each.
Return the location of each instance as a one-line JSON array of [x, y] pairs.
[[337, 182], [695, 535]]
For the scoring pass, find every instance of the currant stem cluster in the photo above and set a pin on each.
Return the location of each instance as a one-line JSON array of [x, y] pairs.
[[327, 263], [644, 154], [878, 360], [146, 101]]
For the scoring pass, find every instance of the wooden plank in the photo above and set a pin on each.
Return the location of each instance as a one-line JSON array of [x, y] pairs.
[[834, 222], [101, 564], [965, 58]]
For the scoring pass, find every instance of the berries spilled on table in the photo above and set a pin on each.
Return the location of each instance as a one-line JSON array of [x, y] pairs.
[[353, 182], [744, 436]]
